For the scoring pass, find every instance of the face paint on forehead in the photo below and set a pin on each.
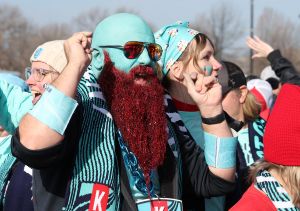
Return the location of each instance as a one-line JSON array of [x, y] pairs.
[[119, 29]]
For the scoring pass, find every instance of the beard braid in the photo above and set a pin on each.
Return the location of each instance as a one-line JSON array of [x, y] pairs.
[[138, 112]]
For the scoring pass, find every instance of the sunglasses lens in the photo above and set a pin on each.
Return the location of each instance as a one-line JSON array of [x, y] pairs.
[[133, 49], [155, 51]]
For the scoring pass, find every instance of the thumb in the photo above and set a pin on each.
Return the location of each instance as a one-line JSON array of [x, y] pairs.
[[188, 82], [256, 56]]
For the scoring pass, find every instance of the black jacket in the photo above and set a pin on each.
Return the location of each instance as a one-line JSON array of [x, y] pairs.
[[53, 169], [283, 68]]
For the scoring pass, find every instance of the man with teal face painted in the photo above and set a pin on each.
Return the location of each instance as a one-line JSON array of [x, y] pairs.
[[129, 151]]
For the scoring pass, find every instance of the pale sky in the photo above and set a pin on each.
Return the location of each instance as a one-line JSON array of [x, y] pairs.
[[159, 12]]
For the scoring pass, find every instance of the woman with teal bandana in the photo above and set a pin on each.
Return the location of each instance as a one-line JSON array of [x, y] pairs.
[[189, 56]]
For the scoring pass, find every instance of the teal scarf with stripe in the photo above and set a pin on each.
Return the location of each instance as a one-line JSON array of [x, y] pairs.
[[96, 167], [275, 192], [95, 171]]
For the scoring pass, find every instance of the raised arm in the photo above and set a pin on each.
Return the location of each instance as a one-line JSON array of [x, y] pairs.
[[198, 175], [44, 126], [282, 67], [206, 92]]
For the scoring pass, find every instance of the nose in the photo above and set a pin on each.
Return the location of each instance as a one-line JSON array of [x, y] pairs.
[[216, 65], [144, 58], [30, 81]]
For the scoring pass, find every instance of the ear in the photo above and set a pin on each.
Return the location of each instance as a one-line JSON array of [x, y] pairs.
[[98, 59], [244, 91], [177, 70]]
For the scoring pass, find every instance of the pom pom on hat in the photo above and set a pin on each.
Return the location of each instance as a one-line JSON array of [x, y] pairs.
[[262, 90]]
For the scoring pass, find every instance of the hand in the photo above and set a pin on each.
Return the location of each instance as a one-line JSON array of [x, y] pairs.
[[3, 132], [206, 93], [78, 49], [262, 49]]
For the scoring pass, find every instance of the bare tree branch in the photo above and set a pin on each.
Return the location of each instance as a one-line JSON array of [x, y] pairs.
[[280, 33], [223, 26]]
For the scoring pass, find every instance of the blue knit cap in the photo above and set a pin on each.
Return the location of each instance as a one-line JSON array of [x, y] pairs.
[[173, 39]]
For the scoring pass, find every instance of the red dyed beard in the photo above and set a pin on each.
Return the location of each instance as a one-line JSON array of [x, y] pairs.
[[138, 111]]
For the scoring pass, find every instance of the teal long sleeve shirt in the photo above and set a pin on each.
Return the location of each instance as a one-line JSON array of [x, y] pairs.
[[14, 104]]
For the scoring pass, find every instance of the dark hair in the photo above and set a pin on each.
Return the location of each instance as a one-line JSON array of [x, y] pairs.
[[250, 77], [231, 76], [273, 82]]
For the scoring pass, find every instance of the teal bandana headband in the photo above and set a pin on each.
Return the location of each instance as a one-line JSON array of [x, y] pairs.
[[173, 39]]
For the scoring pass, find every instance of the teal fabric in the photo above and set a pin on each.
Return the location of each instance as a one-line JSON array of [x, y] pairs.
[[266, 183], [14, 104], [15, 80], [173, 39], [220, 152], [95, 161], [6, 162], [138, 195], [243, 139], [211, 145], [137, 183], [192, 121], [54, 109]]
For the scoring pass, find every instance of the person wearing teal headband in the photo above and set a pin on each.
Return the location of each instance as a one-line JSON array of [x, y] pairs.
[[189, 56], [133, 148]]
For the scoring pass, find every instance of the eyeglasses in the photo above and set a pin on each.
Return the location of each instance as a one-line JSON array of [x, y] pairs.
[[133, 49], [38, 73]]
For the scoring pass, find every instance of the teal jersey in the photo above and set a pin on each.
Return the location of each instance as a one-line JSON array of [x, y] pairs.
[[14, 104]]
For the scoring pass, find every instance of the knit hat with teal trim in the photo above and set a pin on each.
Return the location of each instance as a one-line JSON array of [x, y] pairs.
[[173, 39]]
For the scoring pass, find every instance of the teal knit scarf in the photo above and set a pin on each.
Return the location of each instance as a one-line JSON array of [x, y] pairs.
[[96, 168], [95, 178]]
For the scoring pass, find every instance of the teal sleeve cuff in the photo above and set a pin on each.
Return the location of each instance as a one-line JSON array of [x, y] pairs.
[[220, 152], [54, 109]]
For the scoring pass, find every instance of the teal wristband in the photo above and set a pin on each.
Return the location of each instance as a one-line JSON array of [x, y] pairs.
[[54, 109], [220, 152]]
